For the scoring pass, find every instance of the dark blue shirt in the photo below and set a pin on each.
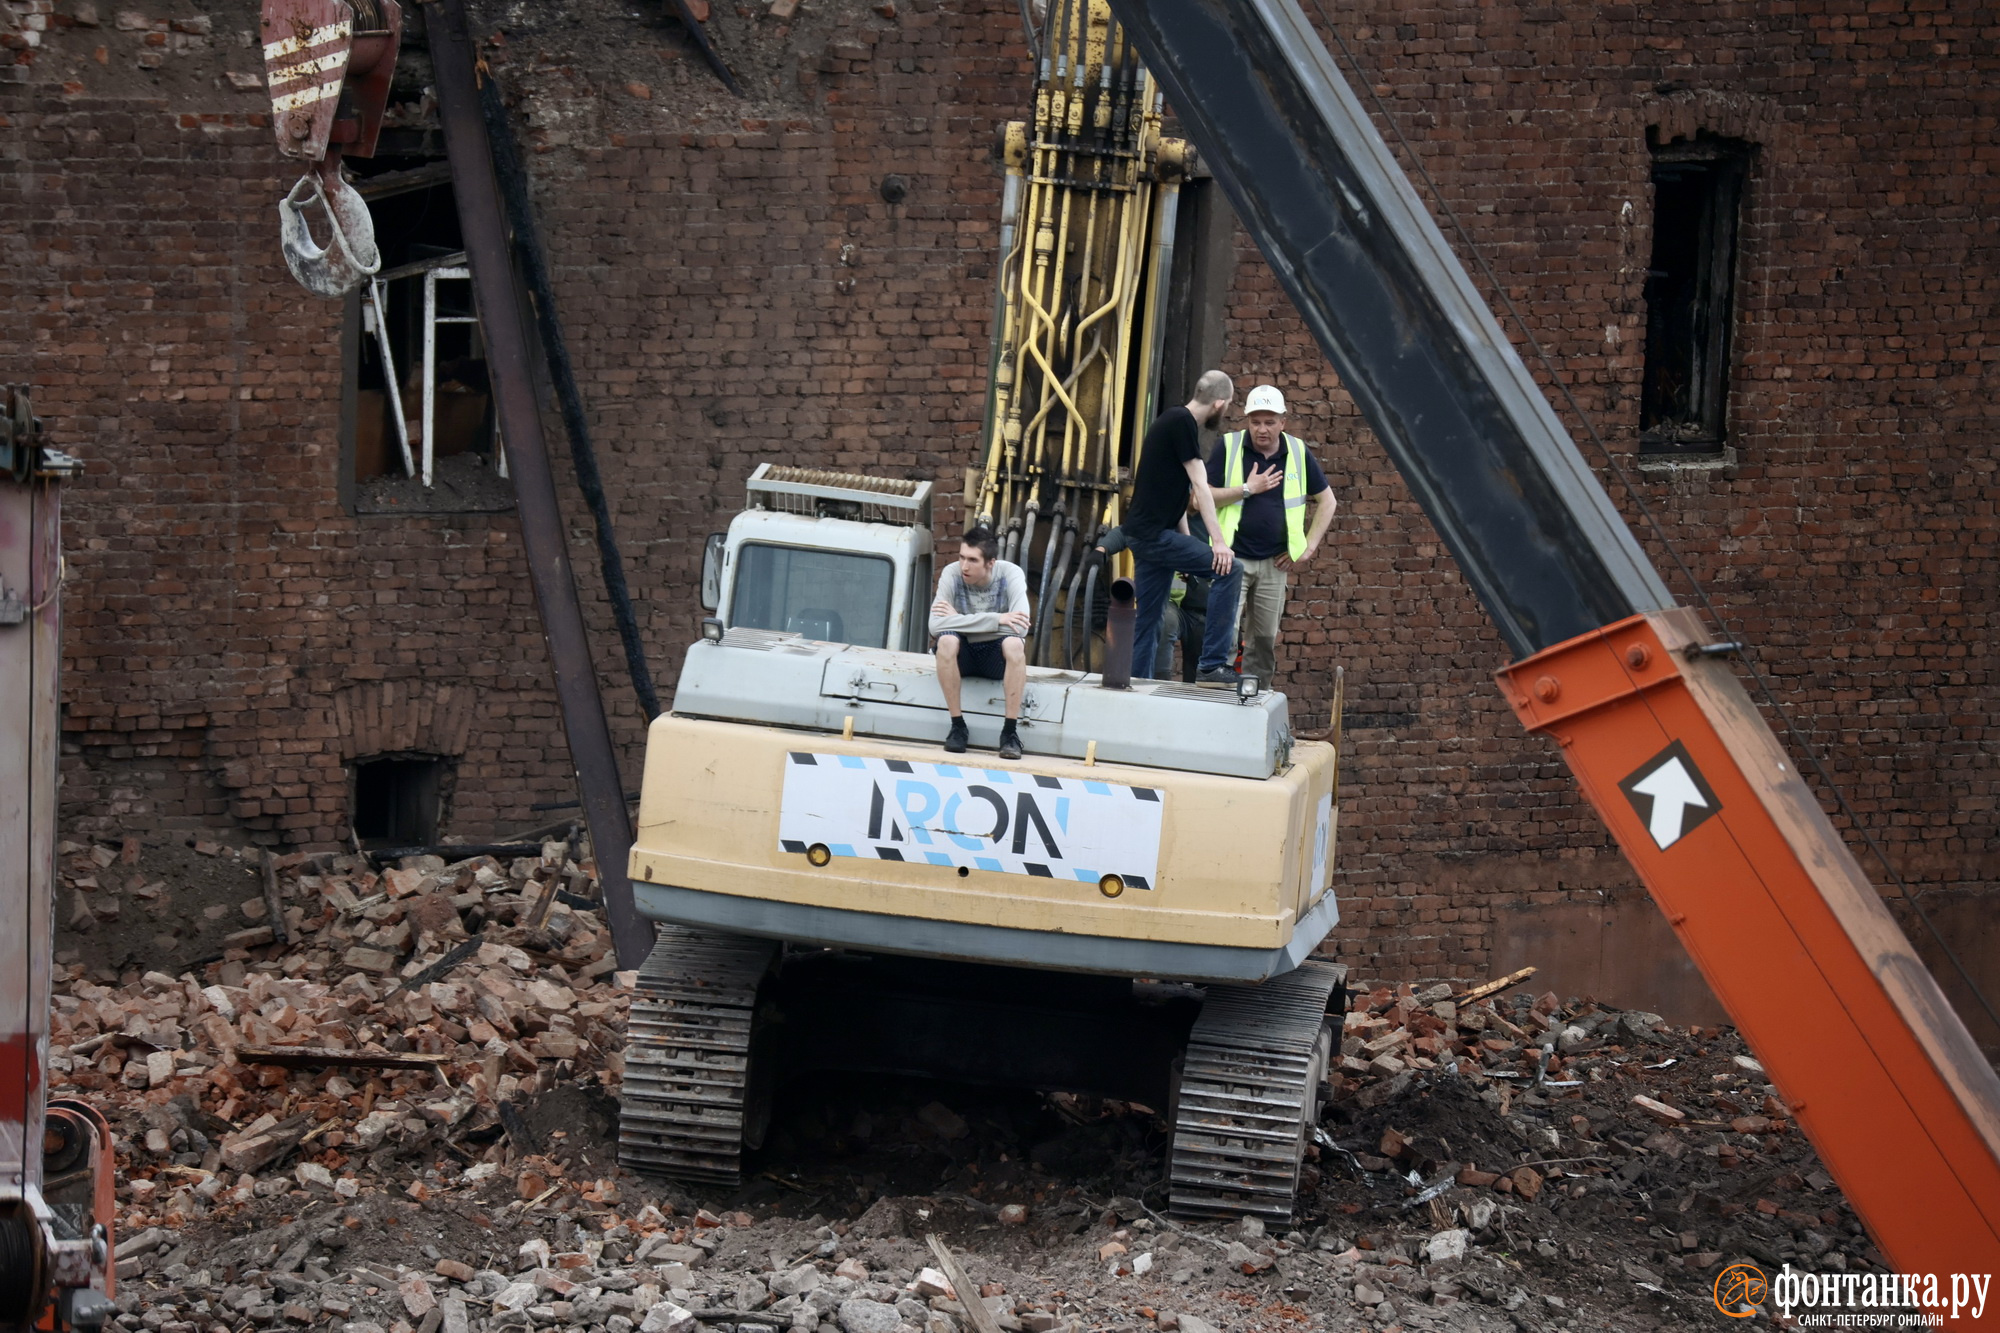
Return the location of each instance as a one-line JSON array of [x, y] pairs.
[[1260, 533]]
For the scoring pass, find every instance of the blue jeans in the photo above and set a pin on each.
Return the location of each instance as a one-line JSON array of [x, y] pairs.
[[1158, 560]]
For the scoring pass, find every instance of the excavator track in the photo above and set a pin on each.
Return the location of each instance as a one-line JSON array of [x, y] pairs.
[[1250, 1091], [688, 1097]]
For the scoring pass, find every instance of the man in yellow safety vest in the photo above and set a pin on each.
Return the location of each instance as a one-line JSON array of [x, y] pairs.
[[1262, 479]]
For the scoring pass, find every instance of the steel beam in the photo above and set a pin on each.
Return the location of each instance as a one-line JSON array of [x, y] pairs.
[[504, 323]]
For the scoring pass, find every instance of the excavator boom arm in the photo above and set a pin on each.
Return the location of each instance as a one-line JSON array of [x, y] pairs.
[[1788, 931]]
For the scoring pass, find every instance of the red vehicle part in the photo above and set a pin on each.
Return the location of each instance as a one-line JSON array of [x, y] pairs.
[[329, 64], [1793, 938], [55, 1251]]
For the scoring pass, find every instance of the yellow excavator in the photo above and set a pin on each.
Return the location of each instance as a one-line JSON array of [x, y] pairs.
[[1129, 911]]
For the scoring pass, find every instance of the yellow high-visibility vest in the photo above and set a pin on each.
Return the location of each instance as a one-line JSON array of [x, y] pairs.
[[1293, 492]]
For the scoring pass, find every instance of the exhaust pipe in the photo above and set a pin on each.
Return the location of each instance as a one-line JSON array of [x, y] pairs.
[[1118, 629]]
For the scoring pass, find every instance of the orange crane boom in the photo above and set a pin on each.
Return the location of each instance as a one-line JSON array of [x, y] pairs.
[[1792, 937]]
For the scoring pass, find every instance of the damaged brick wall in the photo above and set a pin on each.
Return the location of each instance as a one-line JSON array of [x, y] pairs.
[[1848, 533], [738, 290]]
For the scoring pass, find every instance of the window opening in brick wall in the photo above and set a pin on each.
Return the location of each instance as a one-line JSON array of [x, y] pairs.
[[397, 799], [1690, 289], [425, 435]]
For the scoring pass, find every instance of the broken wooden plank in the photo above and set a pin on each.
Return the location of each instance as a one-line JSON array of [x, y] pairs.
[[981, 1318], [1495, 986], [545, 902], [309, 1057], [458, 954], [273, 903]]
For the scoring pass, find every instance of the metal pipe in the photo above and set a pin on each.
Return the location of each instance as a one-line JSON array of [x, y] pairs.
[[1152, 345], [482, 220], [513, 179], [430, 373], [379, 316], [1118, 631], [1002, 359]]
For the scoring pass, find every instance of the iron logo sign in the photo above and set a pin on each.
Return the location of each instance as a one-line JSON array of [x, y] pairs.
[[960, 815], [1670, 795]]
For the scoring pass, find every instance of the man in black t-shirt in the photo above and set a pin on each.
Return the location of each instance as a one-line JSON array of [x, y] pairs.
[[1170, 470]]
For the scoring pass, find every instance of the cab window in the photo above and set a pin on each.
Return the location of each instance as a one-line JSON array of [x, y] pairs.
[[834, 596]]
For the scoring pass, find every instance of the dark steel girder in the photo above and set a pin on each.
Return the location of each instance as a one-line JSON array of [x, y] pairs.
[[504, 322], [1392, 308]]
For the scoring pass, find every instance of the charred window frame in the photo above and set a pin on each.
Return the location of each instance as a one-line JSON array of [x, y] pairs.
[[1698, 189], [423, 304]]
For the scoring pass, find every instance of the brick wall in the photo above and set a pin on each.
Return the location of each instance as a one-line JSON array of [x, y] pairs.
[[738, 291], [1850, 541]]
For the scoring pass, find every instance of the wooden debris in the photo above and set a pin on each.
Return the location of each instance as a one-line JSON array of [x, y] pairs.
[[274, 903], [976, 1313], [1494, 987], [315, 1057], [458, 954]]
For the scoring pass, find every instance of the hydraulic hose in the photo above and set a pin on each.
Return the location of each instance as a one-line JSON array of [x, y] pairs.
[[1027, 547], [1089, 608], [1069, 621], [1056, 581]]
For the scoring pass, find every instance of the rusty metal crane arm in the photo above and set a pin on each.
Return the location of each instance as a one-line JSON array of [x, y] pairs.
[[1730, 840]]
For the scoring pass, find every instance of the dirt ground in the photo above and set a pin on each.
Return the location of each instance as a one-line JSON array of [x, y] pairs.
[[155, 903], [1448, 1189]]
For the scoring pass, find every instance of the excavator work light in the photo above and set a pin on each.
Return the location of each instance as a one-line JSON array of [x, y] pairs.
[[711, 629]]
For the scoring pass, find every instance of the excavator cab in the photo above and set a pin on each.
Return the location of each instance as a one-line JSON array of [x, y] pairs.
[[829, 556]]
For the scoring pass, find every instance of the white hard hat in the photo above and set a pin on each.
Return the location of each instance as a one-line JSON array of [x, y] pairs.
[[1265, 398]]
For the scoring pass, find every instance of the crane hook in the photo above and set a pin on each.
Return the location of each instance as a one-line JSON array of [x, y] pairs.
[[350, 256]]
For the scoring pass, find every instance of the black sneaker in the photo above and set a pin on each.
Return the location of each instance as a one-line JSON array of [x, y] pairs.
[[957, 738], [1219, 676], [1010, 742]]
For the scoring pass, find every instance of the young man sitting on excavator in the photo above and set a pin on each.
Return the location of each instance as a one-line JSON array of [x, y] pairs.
[[980, 621]]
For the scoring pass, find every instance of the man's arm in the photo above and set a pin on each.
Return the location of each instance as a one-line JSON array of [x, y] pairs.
[[1014, 620], [1205, 501], [1255, 482], [1324, 504], [945, 618]]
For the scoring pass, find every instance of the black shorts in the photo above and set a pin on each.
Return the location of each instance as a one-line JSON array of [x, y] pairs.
[[987, 661]]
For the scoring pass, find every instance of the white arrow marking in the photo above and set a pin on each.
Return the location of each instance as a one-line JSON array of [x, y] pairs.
[[1673, 791]]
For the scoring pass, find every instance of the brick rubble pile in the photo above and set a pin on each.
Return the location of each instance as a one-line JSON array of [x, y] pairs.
[[405, 1007]]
